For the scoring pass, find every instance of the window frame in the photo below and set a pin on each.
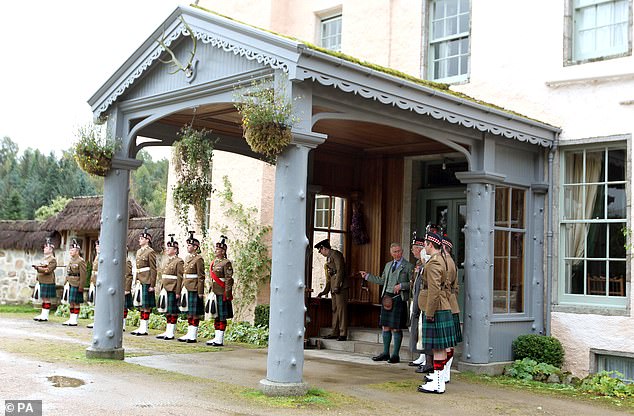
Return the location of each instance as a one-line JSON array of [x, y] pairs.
[[326, 19], [591, 300]]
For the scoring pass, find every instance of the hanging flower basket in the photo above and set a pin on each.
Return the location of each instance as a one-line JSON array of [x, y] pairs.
[[94, 150], [268, 139], [96, 163]]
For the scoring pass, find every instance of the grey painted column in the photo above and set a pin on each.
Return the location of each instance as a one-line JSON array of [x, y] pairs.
[[108, 328], [478, 265], [537, 239], [285, 361]]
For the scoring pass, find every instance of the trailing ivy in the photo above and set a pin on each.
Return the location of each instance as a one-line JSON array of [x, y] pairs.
[[192, 157], [248, 251]]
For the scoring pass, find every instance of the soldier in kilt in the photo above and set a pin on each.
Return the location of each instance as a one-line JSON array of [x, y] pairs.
[[395, 279], [425, 359], [194, 282], [438, 331], [221, 272], [46, 279], [452, 275], [146, 276], [93, 279], [127, 289], [76, 278], [171, 280]]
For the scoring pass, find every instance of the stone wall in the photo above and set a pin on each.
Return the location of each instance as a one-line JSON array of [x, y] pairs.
[[17, 277]]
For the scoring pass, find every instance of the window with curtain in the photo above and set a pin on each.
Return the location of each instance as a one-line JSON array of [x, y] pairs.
[[331, 33], [508, 257], [329, 222], [449, 45], [600, 28], [592, 225]]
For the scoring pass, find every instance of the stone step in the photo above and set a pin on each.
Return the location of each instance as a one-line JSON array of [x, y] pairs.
[[365, 335]]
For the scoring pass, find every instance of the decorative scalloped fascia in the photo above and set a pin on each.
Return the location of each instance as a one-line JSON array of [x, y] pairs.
[[253, 55], [420, 108]]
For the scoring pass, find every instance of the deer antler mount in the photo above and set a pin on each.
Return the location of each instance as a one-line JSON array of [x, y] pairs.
[[189, 69]]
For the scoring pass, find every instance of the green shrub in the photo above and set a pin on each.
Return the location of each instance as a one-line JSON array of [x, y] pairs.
[[607, 383], [528, 369], [245, 332], [540, 348], [262, 315]]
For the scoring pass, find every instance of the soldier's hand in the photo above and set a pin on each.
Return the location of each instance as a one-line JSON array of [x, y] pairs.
[[150, 289], [364, 275]]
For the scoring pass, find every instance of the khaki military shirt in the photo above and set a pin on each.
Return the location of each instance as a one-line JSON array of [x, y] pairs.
[[336, 266], [76, 272], [46, 270], [172, 274], [452, 281], [194, 274], [146, 266], [95, 270], [437, 289], [127, 277], [223, 271]]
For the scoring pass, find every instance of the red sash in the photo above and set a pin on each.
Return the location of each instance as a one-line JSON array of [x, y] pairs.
[[213, 275]]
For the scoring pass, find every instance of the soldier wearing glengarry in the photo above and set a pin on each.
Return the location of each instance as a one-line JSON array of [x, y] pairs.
[[221, 272], [93, 280], [194, 282], [46, 280], [127, 288], [146, 278], [171, 280], [76, 278]]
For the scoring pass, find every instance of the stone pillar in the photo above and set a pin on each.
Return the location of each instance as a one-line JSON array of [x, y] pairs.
[[108, 328], [285, 361], [478, 264]]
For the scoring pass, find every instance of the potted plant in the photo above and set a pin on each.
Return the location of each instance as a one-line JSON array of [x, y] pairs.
[[94, 149], [267, 118]]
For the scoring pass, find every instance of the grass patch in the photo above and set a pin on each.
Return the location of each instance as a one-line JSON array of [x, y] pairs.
[[314, 398], [397, 386], [22, 308]]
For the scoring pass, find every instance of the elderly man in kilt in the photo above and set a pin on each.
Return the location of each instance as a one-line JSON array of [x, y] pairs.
[[221, 272], [438, 331], [171, 280], [127, 289], [46, 280], [395, 279], [146, 277], [194, 282], [452, 276], [76, 278]]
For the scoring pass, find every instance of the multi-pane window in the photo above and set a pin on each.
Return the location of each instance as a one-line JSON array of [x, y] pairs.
[[593, 223], [331, 33], [509, 255], [601, 28], [449, 49], [329, 222]]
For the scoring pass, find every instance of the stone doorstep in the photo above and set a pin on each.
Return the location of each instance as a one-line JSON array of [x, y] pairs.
[[366, 335]]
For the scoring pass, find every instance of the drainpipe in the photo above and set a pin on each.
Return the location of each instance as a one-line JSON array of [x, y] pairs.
[[549, 237]]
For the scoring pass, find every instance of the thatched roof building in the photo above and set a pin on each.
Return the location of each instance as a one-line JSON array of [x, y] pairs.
[[25, 235], [83, 213], [155, 226]]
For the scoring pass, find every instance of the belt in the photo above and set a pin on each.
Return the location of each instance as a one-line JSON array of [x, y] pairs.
[[169, 277], [143, 269], [190, 276], [73, 275]]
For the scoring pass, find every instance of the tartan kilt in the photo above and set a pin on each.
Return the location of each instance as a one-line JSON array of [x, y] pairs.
[[47, 290], [172, 304], [456, 321], [127, 303], [74, 295], [149, 298], [225, 309], [441, 333], [195, 305], [397, 317]]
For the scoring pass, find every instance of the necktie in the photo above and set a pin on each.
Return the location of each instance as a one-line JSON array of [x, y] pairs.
[[393, 265]]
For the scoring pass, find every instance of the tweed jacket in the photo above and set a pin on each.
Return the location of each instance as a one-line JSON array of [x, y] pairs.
[[454, 287], [337, 278], [146, 265], [224, 271], [436, 290], [46, 269], [417, 283], [76, 272], [127, 277], [401, 275], [194, 265], [172, 274]]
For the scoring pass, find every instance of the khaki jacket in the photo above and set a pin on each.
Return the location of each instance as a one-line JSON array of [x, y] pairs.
[[224, 271], [435, 291], [127, 278], [172, 274], [194, 265], [452, 280], [46, 270], [95, 270], [76, 272], [336, 278], [146, 258]]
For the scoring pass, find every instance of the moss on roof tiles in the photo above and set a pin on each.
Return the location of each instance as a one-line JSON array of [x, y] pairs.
[[439, 86]]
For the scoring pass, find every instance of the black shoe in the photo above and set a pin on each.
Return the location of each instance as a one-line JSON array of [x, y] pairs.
[[342, 338], [331, 336], [381, 357], [424, 369], [395, 359], [191, 341], [413, 364]]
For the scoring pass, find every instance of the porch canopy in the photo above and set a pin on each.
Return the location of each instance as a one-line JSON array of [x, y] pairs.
[[362, 119]]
